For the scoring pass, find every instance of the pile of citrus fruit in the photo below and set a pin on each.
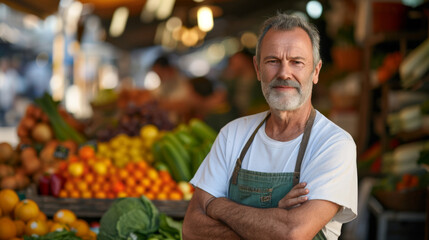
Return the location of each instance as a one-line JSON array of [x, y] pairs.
[[86, 175], [19, 218]]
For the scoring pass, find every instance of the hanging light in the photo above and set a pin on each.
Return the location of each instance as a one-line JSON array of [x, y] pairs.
[[165, 9], [119, 21], [205, 19]]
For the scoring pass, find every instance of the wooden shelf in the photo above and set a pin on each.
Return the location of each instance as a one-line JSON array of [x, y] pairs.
[[95, 208]]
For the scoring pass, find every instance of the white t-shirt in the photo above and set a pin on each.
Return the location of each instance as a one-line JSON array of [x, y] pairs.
[[329, 164]]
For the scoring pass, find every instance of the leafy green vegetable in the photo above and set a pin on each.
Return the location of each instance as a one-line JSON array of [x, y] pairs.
[[63, 131], [63, 235], [135, 219]]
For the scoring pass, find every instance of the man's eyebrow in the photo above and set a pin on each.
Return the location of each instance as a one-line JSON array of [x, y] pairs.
[[297, 58], [293, 58]]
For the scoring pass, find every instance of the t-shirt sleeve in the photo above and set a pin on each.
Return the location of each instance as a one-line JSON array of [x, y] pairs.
[[212, 175], [331, 175]]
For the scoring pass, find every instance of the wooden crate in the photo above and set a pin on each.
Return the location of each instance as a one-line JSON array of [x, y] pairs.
[[95, 208]]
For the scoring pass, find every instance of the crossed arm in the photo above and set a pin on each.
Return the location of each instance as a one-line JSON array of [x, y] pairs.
[[220, 218]]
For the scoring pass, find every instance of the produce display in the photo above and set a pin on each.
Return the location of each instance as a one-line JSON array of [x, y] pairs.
[[87, 176], [22, 219], [138, 157]]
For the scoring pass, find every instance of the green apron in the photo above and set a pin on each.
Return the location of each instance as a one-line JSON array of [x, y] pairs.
[[265, 190]]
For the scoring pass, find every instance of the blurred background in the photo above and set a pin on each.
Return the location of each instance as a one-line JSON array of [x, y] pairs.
[[114, 66]]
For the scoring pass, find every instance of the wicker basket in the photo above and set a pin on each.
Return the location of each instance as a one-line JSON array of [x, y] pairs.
[[411, 200]]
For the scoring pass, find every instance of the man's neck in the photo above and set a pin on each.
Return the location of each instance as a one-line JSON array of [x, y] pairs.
[[287, 125]]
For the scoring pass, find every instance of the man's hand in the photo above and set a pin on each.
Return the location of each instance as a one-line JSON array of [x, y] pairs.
[[197, 225], [295, 197]]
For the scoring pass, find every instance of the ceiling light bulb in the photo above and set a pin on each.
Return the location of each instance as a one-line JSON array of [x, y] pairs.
[[119, 20], [205, 19]]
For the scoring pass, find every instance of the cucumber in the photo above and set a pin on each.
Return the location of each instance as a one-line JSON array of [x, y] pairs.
[[178, 166], [170, 137], [186, 139], [201, 130]]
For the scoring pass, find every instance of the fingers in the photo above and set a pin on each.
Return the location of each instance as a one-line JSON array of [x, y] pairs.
[[294, 197]]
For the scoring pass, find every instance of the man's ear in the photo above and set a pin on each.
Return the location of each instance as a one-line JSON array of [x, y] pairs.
[[316, 72], [255, 64]]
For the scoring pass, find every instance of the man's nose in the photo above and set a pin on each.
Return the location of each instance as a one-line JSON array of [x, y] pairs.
[[284, 71]]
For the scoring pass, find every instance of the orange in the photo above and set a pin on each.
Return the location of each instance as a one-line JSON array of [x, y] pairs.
[[64, 216], [58, 227], [74, 194], [142, 165], [175, 195], [36, 227], [20, 227], [7, 228], [82, 186], [76, 169], [123, 173], [162, 196], [118, 187], [86, 194], [69, 186], [152, 174], [42, 216], [86, 152], [8, 200], [130, 182], [89, 178], [63, 193], [139, 190], [100, 168], [100, 194], [122, 194], [146, 182], [138, 174], [150, 195], [80, 227], [95, 187], [26, 210], [90, 236]]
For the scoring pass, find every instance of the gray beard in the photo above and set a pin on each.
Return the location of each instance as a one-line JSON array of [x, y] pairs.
[[281, 101]]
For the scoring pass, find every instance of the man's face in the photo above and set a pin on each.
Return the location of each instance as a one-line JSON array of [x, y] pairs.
[[286, 68]]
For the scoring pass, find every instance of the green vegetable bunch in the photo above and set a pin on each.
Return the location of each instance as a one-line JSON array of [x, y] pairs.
[[137, 219], [63, 235]]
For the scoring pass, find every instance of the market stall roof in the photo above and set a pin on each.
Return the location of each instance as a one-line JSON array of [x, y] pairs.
[[231, 16]]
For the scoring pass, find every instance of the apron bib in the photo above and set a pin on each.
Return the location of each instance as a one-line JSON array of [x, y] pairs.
[[265, 190]]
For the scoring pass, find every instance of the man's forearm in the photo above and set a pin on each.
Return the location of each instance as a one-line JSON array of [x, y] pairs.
[[204, 227], [249, 222]]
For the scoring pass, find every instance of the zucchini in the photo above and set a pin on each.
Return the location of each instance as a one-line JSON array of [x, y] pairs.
[[170, 137], [201, 130], [178, 166]]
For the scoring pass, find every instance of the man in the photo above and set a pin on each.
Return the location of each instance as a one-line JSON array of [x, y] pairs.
[[243, 187]]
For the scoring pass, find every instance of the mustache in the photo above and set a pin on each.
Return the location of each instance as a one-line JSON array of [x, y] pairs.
[[288, 83]]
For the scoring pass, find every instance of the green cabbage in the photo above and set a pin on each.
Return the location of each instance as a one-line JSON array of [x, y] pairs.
[[135, 219]]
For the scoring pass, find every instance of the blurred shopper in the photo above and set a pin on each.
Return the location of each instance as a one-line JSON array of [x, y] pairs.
[[8, 82], [208, 99], [175, 93], [38, 74], [286, 173], [244, 89]]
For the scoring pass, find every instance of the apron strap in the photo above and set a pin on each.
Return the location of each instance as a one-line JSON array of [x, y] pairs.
[[303, 146], [244, 151]]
